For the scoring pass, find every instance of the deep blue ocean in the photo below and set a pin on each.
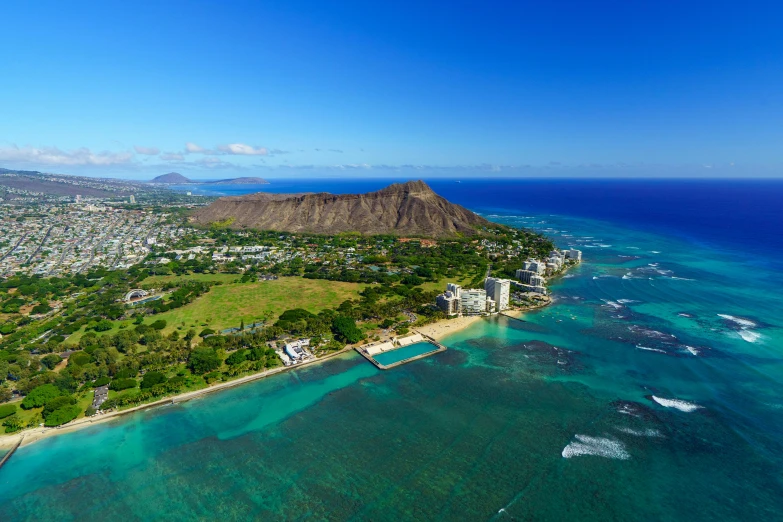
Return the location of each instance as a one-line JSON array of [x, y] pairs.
[[651, 389], [742, 215]]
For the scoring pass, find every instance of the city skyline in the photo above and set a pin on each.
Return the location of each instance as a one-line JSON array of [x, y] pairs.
[[302, 89]]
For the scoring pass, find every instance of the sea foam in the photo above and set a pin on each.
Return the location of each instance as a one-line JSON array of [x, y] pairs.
[[749, 335], [639, 346], [747, 323], [678, 404], [598, 446], [649, 432]]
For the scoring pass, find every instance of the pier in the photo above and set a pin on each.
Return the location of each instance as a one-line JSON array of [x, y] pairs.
[[10, 453], [437, 348], [504, 314]]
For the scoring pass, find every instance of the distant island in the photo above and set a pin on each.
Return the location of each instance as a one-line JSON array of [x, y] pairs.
[[175, 178], [410, 208]]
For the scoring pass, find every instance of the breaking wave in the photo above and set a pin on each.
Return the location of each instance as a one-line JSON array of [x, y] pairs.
[[749, 335], [678, 404], [639, 346], [746, 323], [649, 432], [598, 446]]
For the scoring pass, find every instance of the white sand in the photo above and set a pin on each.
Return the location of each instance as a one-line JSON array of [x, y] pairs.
[[447, 326]]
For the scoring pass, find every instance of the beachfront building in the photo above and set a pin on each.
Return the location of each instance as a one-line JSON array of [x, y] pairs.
[[498, 290], [537, 288], [296, 350], [573, 255], [473, 301], [531, 278], [535, 265], [448, 302]]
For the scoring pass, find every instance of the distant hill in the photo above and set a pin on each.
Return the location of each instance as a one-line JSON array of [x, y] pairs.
[[410, 208], [238, 181], [171, 177]]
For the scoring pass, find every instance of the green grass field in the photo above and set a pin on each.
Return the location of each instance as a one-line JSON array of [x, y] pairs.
[[224, 306]]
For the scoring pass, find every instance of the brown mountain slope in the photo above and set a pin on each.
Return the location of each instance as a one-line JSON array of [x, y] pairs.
[[410, 208]]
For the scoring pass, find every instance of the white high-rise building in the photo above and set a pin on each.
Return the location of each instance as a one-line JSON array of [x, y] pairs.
[[529, 277], [574, 254], [498, 290], [454, 289], [473, 302], [536, 266], [448, 302], [132, 199]]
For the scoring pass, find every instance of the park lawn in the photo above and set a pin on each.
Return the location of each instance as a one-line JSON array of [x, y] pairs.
[[440, 286], [155, 281], [226, 305]]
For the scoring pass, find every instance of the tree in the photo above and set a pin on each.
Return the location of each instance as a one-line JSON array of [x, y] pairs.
[[160, 324], [62, 415], [203, 360], [103, 325], [40, 395], [345, 328], [51, 360], [151, 379], [241, 325], [12, 423], [122, 384], [237, 357], [41, 308], [57, 403]]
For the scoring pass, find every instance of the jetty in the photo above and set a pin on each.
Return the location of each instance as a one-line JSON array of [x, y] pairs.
[[504, 314], [370, 350], [10, 453]]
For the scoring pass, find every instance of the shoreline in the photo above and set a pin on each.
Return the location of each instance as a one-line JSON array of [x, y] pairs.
[[445, 327], [437, 330], [32, 435]]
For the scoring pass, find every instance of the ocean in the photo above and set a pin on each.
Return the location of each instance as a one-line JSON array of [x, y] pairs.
[[650, 390]]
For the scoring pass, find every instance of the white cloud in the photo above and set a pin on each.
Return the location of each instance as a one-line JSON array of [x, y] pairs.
[[243, 150], [55, 156], [172, 156], [211, 162], [193, 148], [147, 151]]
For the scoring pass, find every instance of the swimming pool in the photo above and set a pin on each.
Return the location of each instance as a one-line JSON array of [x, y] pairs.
[[406, 352]]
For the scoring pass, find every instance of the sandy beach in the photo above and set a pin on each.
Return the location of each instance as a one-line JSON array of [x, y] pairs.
[[448, 326]]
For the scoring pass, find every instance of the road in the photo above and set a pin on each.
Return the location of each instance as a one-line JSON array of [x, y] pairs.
[[21, 240], [43, 241]]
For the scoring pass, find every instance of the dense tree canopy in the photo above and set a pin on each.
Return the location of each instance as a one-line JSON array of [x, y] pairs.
[[40, 395], [203, 360]]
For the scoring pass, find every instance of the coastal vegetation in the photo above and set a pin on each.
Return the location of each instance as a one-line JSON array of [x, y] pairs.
[[215, 316]]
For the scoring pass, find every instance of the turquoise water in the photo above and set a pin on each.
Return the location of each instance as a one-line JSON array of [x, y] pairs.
[[650, 390], [406, 352]]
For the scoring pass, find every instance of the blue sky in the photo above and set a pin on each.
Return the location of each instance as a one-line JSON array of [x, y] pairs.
[[299, 88]]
